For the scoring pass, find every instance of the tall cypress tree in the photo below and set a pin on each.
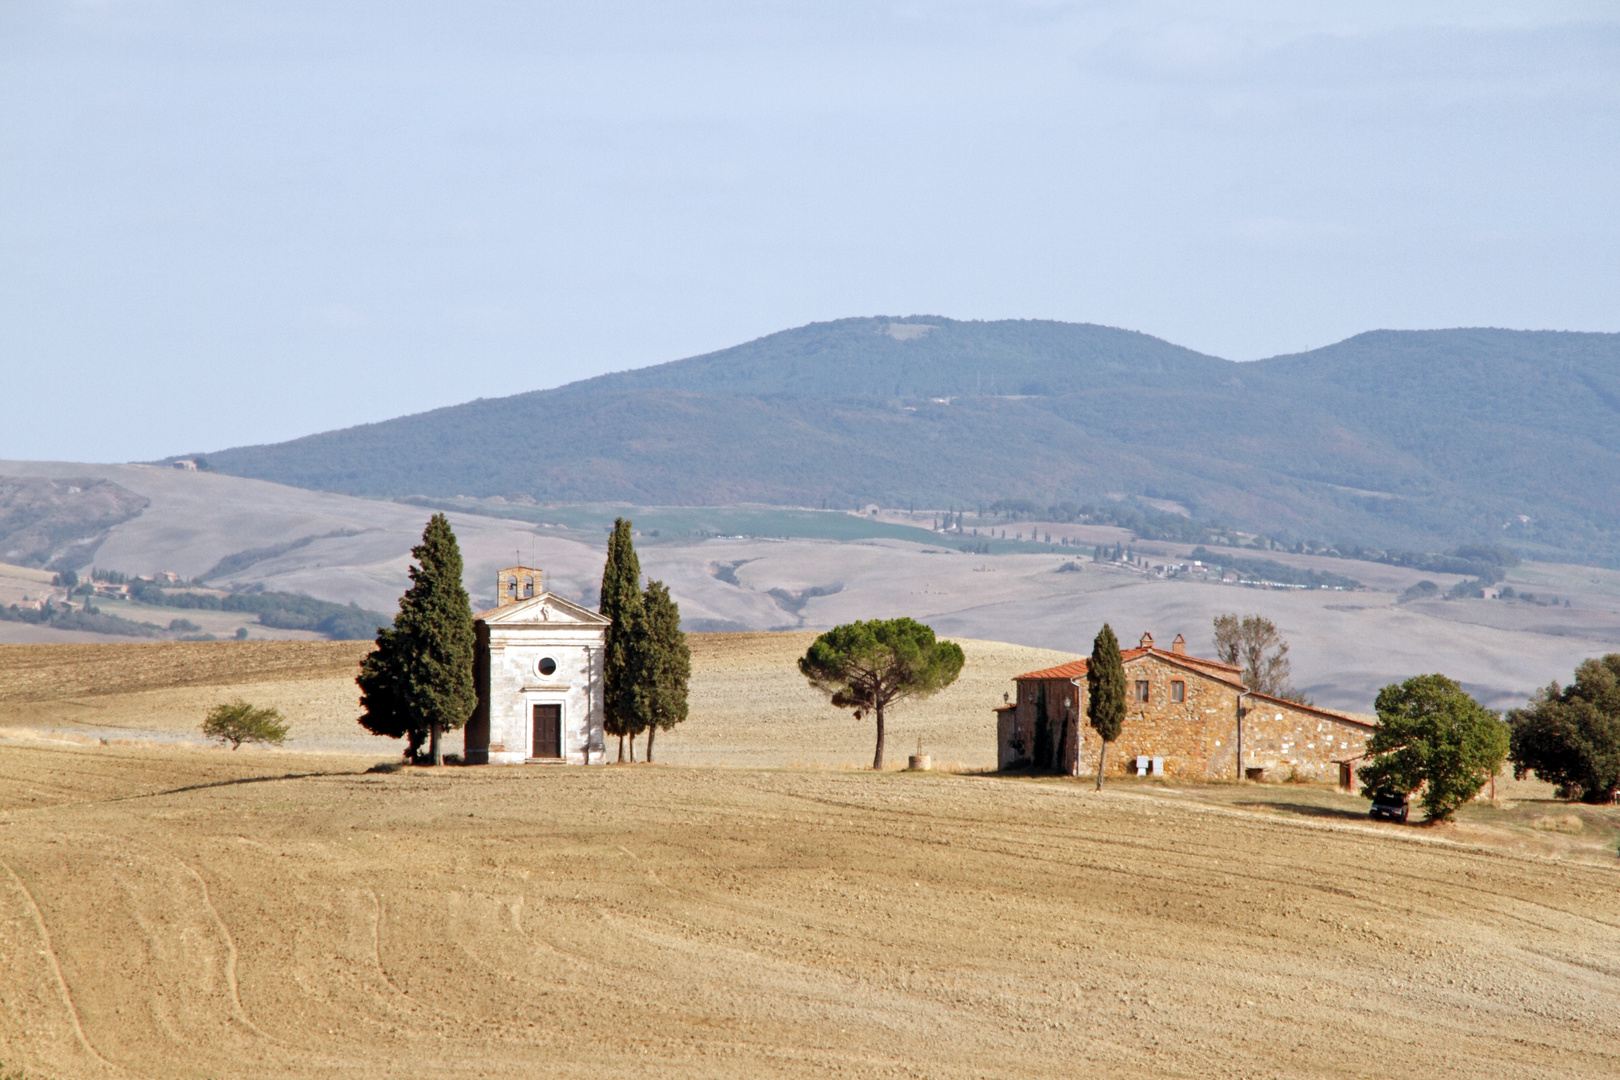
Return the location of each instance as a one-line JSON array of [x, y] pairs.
[[1105, 692], [380, 695], [662, 663], [419, 681], [621, 602]]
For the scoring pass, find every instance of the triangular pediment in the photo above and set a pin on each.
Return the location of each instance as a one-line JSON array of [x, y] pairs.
[[547, 609]]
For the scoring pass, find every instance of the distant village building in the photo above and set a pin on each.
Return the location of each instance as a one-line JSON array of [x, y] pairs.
[[1186, 716], [538, 670]]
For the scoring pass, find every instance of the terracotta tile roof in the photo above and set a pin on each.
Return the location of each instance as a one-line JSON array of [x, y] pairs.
[[1214, 669], [1076, 669], [1201, 661]]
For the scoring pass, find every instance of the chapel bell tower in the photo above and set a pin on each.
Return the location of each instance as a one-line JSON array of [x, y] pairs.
[[516, 583]]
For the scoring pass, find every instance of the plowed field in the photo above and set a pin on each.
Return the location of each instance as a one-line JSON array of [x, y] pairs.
[[183, 912]]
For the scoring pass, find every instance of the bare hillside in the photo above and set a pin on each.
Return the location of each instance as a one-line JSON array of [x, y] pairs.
[[1345, 644]]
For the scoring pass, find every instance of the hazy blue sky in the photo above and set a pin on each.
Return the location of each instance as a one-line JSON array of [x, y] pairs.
[[224, 223]]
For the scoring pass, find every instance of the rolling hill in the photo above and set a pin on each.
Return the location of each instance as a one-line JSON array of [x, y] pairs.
[[1418, 439]]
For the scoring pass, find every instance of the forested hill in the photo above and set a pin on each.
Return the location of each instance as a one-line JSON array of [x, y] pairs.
[[1395, 438]]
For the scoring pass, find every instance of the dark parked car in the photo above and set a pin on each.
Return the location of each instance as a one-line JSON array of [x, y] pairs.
[[1389, 806]]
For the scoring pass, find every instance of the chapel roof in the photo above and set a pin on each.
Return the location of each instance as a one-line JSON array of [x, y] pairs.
[[543, 608]]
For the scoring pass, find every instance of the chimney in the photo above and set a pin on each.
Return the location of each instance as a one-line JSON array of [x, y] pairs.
[[1146, 642], [1179, 646]]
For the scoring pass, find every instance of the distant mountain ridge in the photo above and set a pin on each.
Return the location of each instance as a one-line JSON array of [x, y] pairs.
[[1397, 438]]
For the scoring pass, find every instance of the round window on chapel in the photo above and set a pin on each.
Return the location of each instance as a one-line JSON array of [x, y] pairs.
[[548, 666]]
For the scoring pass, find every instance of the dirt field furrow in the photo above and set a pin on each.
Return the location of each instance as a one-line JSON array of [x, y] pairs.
[[732, 922], [181, 910]]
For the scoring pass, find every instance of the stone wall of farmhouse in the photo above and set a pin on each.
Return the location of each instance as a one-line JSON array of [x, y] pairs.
[[1283, 738], [1196, 737], [1049, 745]]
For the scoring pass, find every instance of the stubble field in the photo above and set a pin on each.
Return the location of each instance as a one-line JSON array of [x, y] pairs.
[[169, 910]]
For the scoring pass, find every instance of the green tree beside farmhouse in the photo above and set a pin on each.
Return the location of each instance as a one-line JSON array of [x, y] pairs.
[[418, 683], [1105, 692], [621, 602], [660, 664], [871, 666], [1571, 736], [1434, 736]]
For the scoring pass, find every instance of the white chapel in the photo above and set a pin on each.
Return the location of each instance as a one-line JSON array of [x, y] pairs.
[[538, 668]]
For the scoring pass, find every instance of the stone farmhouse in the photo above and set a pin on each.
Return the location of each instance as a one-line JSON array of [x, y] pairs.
[[538, 668], [1186, 716]]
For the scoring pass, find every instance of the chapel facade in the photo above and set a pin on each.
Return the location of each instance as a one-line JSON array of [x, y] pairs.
[[1186, 716], [538, 668]]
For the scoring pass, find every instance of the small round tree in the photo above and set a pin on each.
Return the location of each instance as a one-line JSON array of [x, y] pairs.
[[1432, 735], [870, 666], [1105, 692], [238, 722]]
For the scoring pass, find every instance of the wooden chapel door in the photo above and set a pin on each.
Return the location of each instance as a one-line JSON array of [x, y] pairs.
[[548, 731]]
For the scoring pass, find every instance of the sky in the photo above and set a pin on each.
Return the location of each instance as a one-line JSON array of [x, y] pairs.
[[224, 224]]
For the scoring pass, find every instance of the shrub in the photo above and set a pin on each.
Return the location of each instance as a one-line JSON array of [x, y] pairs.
[[238, 722], [1423, 590]]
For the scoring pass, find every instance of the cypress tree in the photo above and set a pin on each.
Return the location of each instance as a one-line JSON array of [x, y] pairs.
[[662, 663], [380, 695], [621, 602], [1105, 692], [419, 681]]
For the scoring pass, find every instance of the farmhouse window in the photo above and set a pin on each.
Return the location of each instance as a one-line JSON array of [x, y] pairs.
[[1178, 690], [1141, 689]]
